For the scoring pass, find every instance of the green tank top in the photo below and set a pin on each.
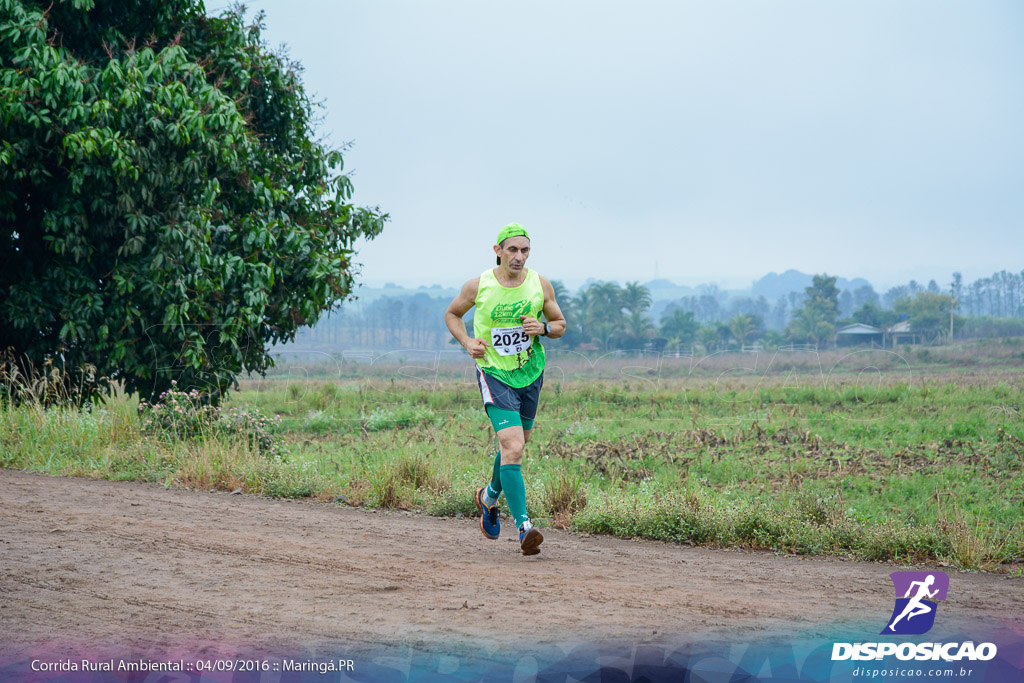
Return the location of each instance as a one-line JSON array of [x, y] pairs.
[[512, 357]]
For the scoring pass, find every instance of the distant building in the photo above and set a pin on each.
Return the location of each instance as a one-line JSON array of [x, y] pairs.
[[900, 333], [859, 333]]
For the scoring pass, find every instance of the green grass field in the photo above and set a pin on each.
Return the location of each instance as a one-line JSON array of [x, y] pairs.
[[875, 456]]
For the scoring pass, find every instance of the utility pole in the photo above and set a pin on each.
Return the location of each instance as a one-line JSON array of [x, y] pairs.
[[952, 293], [954, 289]]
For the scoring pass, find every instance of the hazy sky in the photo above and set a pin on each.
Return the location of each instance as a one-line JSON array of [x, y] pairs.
[[705, 141]]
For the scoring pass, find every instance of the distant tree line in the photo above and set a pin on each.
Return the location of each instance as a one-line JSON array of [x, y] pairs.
[[606, 316], [414, 321]]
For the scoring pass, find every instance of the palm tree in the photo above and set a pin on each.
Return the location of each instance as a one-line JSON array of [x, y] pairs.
[[680, 327], [604, 333], [636, 331], [709, 338], [582, 306], [565, 302], [608, 301], [674, 343], [741, 325], [635, 297], [561, 292], [809, 325]]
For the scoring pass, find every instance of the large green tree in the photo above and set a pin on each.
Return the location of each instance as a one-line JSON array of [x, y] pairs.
[[166, 211], [928, 313], [816, 321], [823, 297]]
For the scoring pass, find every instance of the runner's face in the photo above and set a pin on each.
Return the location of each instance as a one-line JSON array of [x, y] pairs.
[[513, 252]]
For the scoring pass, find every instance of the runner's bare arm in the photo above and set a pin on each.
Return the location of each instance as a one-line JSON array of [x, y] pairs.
[[459, 306], [552, 313]]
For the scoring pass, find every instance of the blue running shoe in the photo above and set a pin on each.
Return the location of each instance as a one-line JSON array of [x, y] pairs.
[[489, 522], [530, 541]]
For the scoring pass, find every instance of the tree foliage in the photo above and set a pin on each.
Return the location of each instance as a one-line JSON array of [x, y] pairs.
[[928, 313], [609, 316], [816, 322], [871, 314], [165, 210], [823, 298], [679, 327], [743, 326], [810, 326]]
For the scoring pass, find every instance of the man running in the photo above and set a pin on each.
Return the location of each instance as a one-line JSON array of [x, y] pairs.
[[506, 344], [915, 607]]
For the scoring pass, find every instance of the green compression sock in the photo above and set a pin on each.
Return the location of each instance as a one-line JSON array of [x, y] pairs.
[[515, 492], [494, 489]]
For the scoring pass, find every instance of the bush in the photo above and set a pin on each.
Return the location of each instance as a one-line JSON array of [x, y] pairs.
[[181, 415], [820, 508]]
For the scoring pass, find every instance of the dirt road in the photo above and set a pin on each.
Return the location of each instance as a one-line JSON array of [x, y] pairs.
[[137, 567]]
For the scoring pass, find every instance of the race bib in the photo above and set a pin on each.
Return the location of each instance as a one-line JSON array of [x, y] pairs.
[[509, 341]]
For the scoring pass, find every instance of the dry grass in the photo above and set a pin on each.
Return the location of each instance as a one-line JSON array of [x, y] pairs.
[[565, 494]]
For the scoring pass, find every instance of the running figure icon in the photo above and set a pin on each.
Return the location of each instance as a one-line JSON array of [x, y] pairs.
[[915, 607], [917, 595]]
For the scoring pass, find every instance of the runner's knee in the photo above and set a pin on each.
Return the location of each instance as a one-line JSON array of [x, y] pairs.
[[512, 442], [512, 457]]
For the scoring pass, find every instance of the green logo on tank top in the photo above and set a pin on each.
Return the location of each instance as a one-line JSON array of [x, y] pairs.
[[511, 312]]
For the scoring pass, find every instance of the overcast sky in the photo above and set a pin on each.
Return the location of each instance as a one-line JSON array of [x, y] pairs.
[[702, 141]]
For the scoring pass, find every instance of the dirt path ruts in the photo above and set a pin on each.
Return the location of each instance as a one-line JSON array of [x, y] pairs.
[[137, 567]]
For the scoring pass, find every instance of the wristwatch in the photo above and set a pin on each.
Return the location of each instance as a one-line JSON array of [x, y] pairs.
[[547, 329]]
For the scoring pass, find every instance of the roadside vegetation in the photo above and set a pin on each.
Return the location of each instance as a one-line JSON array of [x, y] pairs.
[[911, 463]]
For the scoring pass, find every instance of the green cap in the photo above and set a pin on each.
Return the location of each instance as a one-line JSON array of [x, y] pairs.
[[512, 230]]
